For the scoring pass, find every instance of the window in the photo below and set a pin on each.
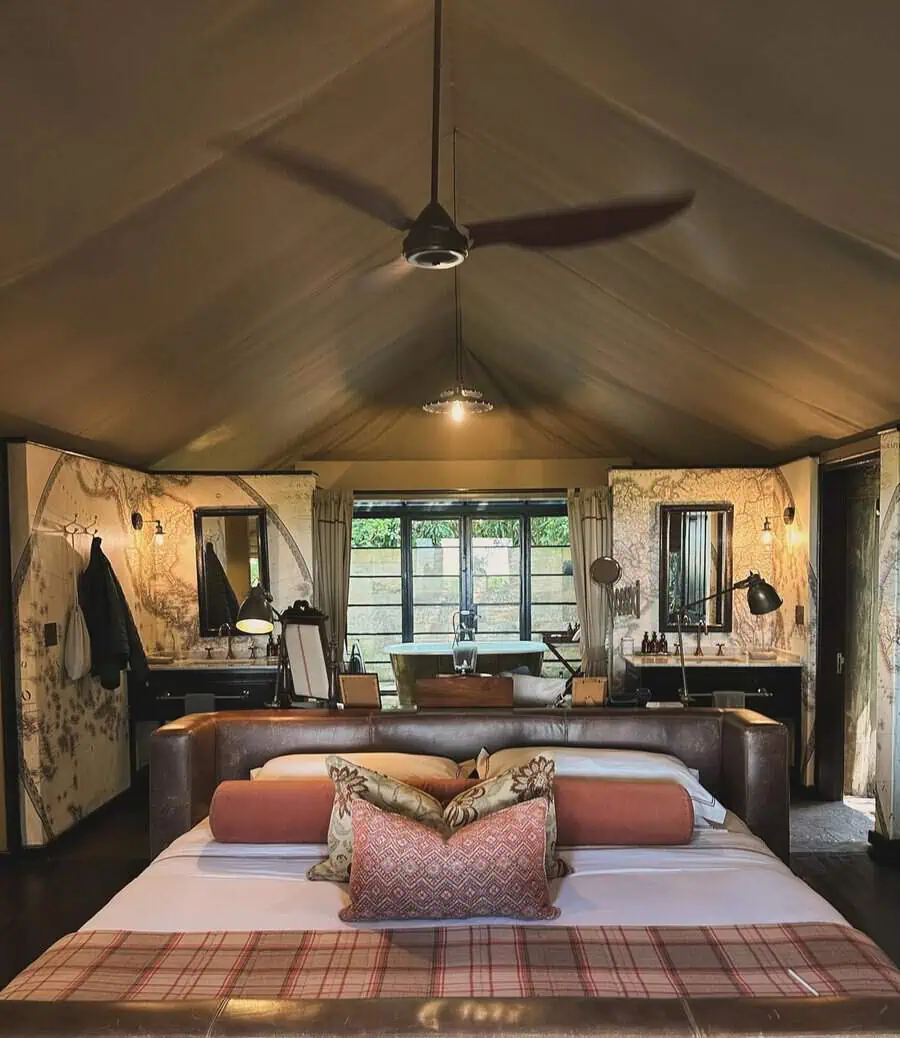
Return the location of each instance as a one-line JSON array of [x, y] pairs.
[[413, 565]]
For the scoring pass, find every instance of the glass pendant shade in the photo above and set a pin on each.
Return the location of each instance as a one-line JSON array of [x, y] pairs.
[[767, 536], [458, 403]]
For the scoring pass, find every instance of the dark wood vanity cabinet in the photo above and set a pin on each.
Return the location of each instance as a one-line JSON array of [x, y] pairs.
[[175, 691], [230, 688], [771, 691]]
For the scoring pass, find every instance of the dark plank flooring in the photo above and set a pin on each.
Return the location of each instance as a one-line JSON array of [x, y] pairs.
[[867, 895], [46, 894]]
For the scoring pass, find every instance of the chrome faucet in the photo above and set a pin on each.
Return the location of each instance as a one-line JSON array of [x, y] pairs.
[[701, 630], [225, 629]]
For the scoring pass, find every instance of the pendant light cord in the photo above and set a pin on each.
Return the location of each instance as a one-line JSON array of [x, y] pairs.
[[459, 346], [436, 100]]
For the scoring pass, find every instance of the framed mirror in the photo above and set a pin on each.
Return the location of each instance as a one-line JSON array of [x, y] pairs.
[[232, 556], [695, 562]]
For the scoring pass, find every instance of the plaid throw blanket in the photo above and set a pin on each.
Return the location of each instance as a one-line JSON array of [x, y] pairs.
[[471, 961]]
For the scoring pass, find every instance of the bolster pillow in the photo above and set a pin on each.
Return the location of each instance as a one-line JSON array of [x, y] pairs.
[[589, 811], [292, 810], [595, 812]]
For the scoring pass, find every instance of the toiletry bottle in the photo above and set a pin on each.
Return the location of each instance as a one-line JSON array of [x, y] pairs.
[[653, 644], [645, 644]]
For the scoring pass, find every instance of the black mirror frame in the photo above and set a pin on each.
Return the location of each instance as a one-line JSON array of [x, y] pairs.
[[264, 575], [668, 625]]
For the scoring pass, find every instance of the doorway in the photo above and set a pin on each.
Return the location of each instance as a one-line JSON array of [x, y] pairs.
[[848, 631]]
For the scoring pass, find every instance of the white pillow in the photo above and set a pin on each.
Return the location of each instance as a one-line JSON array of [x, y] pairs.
[[609, 763], [531, 691], [402, 766]]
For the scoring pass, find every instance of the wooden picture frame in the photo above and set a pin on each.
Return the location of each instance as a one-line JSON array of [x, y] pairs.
[[360, 690], [590, 691]]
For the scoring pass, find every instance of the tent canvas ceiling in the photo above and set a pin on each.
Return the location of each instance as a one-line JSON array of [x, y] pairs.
[[165, 305]]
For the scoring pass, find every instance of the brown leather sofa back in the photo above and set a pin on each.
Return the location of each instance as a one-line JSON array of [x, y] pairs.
[[741, 756]]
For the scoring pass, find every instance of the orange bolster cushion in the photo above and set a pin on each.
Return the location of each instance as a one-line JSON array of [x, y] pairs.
[[291, 810], [593, 812], [590, 812]]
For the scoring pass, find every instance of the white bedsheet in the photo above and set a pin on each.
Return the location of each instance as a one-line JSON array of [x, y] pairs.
[[725, 876]]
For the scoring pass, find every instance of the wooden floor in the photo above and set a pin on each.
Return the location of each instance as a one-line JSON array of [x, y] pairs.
[[46, 894]]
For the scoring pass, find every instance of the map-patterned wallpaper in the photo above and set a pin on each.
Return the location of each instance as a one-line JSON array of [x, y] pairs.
[[73, 736], [755, 493]]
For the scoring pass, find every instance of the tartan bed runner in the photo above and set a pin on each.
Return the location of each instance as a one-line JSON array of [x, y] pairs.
[[469, 961]]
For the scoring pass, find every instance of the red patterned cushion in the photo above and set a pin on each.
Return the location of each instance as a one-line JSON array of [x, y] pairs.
[[493, 867]]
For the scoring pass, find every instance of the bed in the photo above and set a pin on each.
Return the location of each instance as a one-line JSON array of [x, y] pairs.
[[714, 937]]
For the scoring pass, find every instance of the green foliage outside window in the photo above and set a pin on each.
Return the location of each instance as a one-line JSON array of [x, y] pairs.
[[547, 531]]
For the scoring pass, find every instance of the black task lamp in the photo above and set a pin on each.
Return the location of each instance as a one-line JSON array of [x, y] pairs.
[[762, 598], [257, 615]]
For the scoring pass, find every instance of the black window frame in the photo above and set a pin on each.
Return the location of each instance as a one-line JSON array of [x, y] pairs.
[[465, 511]]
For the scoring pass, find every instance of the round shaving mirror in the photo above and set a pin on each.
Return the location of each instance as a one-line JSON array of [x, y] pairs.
[[605, 570]]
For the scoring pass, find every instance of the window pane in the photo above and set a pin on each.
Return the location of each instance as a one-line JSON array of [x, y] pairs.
[[496, 576], [374, 615], [549, 531], [496, 589], [368, 619], [499, 619], [435, 578], [433, 623], [551, 561], [552, 587], [552, 617], [375, 590], [375, 533]]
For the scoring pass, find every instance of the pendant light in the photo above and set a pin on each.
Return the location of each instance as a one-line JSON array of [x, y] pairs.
[[460, 400]]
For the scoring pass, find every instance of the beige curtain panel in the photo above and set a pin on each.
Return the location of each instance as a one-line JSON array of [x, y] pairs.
[[590, 535], [332, 523]]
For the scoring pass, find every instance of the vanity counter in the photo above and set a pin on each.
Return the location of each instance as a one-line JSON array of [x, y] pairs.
[[205, 665], [711, 661]]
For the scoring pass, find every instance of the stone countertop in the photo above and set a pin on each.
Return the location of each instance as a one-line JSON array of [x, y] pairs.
[[221, 665], [711, 661]]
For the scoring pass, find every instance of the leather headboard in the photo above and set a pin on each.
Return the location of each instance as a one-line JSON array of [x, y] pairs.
[[741, 756]]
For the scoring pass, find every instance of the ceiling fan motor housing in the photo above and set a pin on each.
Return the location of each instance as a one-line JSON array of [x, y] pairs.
[[434, 241]]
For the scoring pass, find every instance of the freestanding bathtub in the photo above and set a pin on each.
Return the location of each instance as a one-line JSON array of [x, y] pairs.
[[412, 660]]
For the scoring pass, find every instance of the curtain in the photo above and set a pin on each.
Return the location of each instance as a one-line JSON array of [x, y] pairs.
[[590, 536], [332, 522]]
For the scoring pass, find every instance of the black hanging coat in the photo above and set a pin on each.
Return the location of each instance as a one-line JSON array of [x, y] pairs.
[[221, 601], [115, 642]]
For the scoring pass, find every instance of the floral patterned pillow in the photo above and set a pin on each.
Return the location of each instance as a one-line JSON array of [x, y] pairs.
[[354, 782], [528, 781]]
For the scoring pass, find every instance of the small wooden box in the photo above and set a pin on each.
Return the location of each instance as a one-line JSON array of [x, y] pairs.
[[589, 691], [458, 692]]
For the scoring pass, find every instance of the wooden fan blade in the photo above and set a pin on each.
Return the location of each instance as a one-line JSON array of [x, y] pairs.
[[386, 275], [324, 178], [566, 228]]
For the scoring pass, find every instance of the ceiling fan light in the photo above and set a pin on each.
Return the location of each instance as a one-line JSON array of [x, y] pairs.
[[458, 403]]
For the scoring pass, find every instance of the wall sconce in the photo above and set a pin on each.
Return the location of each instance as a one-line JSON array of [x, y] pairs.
[[767, 534], [159, 534]]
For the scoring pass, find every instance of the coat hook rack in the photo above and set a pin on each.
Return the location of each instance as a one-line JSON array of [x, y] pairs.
[[74, 527]]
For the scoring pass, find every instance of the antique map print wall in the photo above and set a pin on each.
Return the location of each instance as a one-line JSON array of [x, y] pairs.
[[73, 736]]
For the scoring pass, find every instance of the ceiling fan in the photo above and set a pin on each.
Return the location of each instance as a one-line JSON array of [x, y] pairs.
[[433, 240]]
